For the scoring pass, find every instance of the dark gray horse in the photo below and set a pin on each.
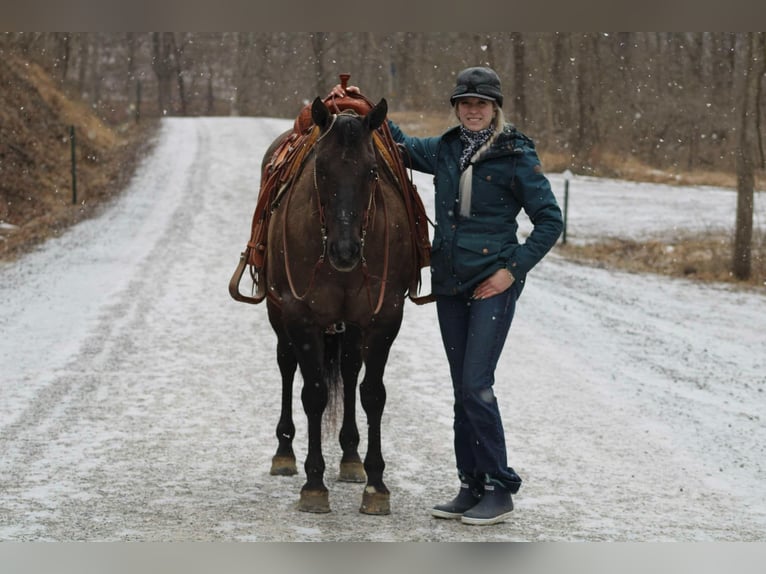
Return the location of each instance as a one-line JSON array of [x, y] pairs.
[[340, 262]]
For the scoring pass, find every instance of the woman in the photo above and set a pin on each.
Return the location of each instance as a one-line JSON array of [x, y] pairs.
[[485, 171]]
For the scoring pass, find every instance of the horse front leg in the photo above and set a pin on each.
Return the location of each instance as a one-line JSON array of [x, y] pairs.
[[310, 350], [376, 497], [283, 462], [351, 467], [314, 494]]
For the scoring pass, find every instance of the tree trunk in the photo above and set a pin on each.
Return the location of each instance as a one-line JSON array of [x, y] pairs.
[[760, 69], [131, 43], [587, 134], [319, 47], [82, 71], [242, 78], [561, 84], [178, 57], [66, 53], [743, 235], [163, 69], [519, 79], [210, 99], [545, 48]]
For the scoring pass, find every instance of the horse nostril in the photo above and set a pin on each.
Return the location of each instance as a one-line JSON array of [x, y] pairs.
[[345, 254]]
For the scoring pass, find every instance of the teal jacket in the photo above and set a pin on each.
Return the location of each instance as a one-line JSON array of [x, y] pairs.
[[506, 179]]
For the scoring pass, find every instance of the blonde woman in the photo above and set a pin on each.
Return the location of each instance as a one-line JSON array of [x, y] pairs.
[[485, 172]]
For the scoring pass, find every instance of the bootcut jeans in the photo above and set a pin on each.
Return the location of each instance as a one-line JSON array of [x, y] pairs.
[[473, 333]]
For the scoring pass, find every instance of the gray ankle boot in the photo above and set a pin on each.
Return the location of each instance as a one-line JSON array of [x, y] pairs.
[[467, 498], [471, 490], [496, 505]]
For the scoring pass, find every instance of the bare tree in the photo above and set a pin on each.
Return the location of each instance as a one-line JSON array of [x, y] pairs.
[[407, 67], [84, 63], [162, 64], [243, 66], [587, 74], [759, 103], [178, 45], [746, 94], [65, 53], [560, 105], [519, 78], [320, 44]]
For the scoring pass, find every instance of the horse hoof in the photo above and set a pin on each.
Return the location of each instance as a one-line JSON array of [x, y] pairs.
[[374, 502], [283, 466], [317, 501], [352, 472]]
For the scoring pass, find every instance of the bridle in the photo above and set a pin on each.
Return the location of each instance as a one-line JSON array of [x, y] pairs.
[[366, 221]]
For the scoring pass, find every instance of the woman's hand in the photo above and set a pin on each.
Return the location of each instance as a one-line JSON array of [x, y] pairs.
[[499, 281], [338, 92]]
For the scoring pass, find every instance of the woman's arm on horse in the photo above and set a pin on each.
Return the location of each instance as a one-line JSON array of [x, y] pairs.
[[339, 92]]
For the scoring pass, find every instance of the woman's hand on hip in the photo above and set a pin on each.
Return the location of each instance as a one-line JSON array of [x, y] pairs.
[[500, 281]]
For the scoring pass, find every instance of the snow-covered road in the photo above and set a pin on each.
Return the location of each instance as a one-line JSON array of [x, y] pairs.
[[138, 401]]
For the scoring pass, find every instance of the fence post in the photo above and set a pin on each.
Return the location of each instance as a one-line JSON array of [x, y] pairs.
[[74, 165], [567, 175]]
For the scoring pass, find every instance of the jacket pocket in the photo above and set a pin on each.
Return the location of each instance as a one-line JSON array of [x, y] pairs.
[[475, 255]]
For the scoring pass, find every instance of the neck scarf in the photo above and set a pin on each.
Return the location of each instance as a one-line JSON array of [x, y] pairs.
[[474, 144], [472, 141]]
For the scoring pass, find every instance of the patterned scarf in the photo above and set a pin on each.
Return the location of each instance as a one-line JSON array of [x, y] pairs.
[[472, 141], [472, 146]]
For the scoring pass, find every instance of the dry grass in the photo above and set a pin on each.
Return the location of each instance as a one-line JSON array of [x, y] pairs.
[[700, 257], [35, 158]]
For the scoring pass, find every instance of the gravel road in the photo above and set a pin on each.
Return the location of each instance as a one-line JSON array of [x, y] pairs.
[[139, 401]]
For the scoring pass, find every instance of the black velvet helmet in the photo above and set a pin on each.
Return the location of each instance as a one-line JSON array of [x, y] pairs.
[[477, 82]]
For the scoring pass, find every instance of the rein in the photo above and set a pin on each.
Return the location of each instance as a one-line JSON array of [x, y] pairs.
[[384, 279]]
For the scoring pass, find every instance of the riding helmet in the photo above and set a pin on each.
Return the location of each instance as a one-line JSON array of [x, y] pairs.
[[477, 82]]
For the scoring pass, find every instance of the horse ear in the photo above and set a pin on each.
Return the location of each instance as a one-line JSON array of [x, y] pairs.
[[377, 115], [319, 113]]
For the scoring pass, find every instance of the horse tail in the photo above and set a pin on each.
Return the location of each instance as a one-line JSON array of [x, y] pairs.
[[331, 373]]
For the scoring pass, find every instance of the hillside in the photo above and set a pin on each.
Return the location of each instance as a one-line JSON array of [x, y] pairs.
[[36, 199]]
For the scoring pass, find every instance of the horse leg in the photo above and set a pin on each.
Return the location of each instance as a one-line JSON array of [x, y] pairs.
[[376, 497], [351, 468], [283, 462], [314, 396]]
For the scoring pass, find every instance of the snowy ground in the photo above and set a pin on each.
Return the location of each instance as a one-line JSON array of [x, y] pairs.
[[138, 401]]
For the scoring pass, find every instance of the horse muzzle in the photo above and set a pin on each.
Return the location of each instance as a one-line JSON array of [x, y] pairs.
[[344, 254]]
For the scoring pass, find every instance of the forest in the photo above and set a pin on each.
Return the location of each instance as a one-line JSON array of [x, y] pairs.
[[668, 99], [670, 103]]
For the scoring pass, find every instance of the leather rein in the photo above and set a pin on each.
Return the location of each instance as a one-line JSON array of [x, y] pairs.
[[323, 229]]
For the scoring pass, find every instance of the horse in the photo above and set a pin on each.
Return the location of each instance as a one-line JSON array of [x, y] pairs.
[[340, 264]]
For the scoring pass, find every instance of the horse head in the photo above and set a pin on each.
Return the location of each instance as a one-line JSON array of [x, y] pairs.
[[345, 176]]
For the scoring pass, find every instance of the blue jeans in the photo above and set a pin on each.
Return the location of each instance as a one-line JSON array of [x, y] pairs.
[[473, 333]]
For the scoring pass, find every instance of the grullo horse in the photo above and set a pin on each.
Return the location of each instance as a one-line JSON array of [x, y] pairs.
[[340, 263]]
